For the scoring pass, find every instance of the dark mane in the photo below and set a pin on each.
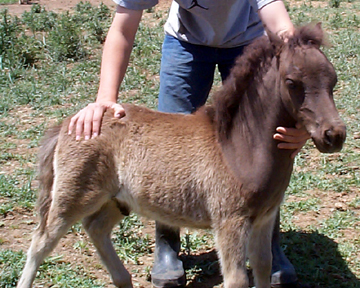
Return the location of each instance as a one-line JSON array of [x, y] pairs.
[[248, 68]]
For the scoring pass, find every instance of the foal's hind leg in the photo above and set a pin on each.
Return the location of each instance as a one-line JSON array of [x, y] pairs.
[[259, 251], [68, 205], [99, 226], [44, 240], [231, 241]]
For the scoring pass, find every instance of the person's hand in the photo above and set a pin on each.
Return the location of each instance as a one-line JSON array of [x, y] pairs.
[[292, 138], [286, 34], [88, 120]]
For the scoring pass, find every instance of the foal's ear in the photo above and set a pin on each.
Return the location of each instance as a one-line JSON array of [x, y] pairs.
[[312, 35]]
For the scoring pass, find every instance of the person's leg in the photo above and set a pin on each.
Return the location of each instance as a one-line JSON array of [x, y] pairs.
[[168, 270], [226, 60], [283, 273], [186, 77]]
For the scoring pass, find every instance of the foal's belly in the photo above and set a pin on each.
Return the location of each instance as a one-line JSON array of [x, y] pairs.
[[168, 207]]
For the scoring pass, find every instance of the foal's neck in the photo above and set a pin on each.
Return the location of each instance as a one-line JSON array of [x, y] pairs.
[[250, 149], [261, 111]]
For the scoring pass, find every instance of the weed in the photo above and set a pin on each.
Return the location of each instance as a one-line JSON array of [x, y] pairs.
[[8, 2], [10, 267], [191, 242], [38, 19], [64, 41], [17, 50], [130, 243], [95, 20], [17, 191], [81, 246], [334, 3]]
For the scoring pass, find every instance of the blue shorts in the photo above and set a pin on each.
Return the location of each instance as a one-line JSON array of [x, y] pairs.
[[187, 73]]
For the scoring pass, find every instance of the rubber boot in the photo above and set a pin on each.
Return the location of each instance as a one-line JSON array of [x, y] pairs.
[[283, 272], [168, 269]]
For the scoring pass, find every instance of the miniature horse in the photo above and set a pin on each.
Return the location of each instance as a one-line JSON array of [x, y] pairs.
[[218, 168]]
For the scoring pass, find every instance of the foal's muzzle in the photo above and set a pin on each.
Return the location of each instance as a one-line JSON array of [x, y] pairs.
[[331, 140]]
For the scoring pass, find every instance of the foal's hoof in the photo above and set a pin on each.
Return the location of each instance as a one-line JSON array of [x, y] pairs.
[[168, 276]]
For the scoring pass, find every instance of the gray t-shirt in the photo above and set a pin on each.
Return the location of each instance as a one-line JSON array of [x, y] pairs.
[[215, 23]]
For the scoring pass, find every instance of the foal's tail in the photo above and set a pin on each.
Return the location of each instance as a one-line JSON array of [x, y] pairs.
[[46, 172]]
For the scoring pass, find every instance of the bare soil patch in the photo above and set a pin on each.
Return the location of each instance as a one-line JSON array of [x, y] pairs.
[[329, 202]]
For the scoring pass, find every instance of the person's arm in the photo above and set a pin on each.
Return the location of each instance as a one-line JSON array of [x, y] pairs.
[[115, 59], [275, 17]]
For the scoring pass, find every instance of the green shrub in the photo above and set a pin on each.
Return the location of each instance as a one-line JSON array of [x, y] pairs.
[[17, 50], [65, 40], [334, 3], [38, 19], [94, 20]]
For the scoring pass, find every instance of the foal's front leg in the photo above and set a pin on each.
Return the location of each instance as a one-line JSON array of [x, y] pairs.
[[259, 251], [231, 236]]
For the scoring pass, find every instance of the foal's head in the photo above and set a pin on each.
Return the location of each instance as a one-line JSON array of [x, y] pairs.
[[307, 80]]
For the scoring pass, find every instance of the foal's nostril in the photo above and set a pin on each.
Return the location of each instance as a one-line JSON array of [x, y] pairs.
[[328, 137], [335, 137]]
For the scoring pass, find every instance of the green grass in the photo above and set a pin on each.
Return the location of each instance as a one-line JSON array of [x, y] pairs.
[[3, 2], [52, 70], [53, 271], [129, 242], [17, 190]]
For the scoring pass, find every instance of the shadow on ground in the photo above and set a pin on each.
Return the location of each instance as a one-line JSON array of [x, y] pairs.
[[316, 258], [318, 261], [204, 269]]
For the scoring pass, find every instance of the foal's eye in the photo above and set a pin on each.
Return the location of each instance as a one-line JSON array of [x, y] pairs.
[[290, 84]]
